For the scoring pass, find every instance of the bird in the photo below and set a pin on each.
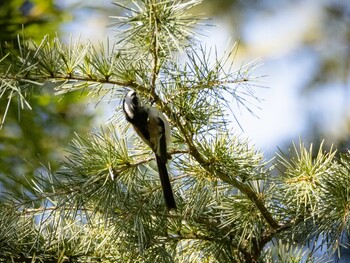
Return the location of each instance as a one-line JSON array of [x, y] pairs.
[[153, 128]]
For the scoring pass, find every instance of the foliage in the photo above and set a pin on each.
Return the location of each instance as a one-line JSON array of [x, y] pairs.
[[41, 131], [105, 202], [29, 17]]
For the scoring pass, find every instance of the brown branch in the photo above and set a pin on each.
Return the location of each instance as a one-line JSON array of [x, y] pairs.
[[239, 185], [192, 149], [154, 51]]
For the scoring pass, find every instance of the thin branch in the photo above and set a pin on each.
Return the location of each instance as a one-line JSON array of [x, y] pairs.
[[155, 49], [209, 167]]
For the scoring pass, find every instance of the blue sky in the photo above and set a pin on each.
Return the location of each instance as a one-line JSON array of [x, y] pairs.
[[286, 42], [278, 39]]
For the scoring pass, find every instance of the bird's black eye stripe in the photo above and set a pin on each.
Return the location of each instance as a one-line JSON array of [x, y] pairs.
[[134, 100]]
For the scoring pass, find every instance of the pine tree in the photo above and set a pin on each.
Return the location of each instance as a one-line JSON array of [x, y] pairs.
[[105, 203]]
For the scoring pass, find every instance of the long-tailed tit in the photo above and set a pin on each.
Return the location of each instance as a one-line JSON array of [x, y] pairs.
[[153, 128]]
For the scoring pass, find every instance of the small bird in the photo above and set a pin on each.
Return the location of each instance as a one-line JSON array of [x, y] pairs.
[[153, 128]]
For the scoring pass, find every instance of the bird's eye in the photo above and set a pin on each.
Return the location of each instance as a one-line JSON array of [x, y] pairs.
[[134, 99]]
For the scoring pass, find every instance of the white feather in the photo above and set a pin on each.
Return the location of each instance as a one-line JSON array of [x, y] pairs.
[[127, 104]]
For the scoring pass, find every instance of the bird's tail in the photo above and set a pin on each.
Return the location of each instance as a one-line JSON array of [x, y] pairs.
[[164, 179]]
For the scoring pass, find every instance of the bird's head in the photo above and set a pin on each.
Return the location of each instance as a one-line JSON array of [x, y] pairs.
[[131, 104]]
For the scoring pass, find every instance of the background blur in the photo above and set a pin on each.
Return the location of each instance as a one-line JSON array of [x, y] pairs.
[[303, 46]]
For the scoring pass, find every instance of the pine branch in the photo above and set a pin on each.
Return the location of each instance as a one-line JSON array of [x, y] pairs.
[[107, 192], [213, 169]]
